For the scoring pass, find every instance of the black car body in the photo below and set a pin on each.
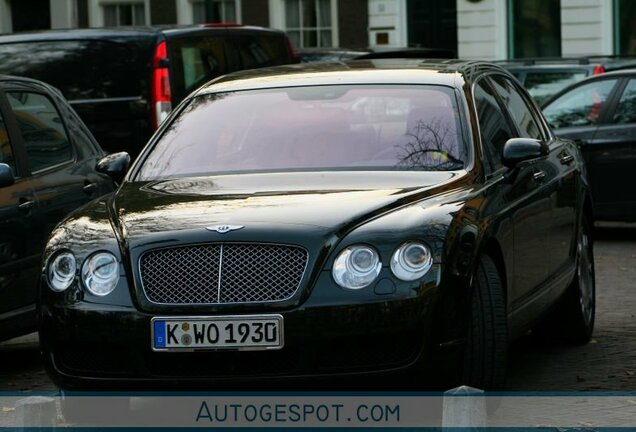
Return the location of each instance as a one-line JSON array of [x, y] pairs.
[[124, 81], [353, 219], [47, 169], [599, 113], [545, 77]]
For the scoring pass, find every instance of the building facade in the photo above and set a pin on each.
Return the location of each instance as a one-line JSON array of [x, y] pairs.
[[487, 29]]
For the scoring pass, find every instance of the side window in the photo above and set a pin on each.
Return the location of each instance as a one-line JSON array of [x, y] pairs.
[[494, 127], [542, 85], [6, 151], [196, 60], [626, 108], [581, 106], [43, 132], [518, 108]]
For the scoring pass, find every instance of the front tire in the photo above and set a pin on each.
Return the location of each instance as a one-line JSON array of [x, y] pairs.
[[486, 352]]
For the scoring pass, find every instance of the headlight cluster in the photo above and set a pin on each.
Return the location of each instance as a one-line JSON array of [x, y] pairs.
[[358, 266], [99, 275]]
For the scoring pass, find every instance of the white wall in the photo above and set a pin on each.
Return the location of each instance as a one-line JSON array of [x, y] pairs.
[[63, 14], [5, 17], [388, 17], [586, 27], [482, 30]]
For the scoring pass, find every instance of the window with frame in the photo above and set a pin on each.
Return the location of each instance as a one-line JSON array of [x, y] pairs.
[[534, 28], [493, 126], [626, 109], [121, 14], [308, 23], [581, 106], [517, 107], [43, 133], [214, 11], [6, 151]]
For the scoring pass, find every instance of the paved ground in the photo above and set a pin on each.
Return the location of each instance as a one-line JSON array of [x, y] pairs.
[[608, 363]]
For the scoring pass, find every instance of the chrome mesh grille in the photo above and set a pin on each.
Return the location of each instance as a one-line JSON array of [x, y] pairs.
[[222, 273]]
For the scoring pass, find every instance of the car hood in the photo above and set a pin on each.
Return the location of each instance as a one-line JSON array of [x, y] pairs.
[[264, 206]]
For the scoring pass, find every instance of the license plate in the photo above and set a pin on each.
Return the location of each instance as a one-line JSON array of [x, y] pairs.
[[245, 332]]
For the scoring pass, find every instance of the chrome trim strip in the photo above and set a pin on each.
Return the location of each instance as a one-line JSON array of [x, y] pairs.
[[98, 100], [218, 285]]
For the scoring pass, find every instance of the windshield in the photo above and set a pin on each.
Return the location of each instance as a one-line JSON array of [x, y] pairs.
[[310, 128]]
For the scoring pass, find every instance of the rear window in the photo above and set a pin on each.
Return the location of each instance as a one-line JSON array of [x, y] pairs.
[[196, 60], [86, 69]]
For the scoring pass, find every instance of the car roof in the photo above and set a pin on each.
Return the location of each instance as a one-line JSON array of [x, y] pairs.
[[448, 72], [6, 78], [127, 31], [588, 63]]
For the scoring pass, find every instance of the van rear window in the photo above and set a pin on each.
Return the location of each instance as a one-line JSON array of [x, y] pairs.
[[82, 70], [196, 60]]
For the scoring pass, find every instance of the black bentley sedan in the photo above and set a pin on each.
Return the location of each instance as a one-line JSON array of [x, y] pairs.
[[320, 221]]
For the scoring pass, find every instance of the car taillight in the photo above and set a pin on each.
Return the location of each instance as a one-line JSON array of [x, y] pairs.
[[292, 51], [599, 69], [161, 97]]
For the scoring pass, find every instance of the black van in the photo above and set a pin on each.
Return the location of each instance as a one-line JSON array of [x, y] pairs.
[[124, 81]]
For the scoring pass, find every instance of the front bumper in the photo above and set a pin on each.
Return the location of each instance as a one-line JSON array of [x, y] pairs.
[[99, 347]]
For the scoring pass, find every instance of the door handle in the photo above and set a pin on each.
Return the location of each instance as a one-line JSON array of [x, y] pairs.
[[566, 159], [538, 176], [89, 188], [26, 205]]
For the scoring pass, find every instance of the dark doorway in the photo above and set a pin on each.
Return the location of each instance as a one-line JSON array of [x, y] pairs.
[[432, 24], [30, 15]]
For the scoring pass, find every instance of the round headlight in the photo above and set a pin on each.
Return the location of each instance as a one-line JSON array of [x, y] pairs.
[[411, 261], [100, 273], [61, 271], [356, 267]]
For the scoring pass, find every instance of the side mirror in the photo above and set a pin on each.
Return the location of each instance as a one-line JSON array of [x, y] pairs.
[[6, 175], [114, 165], [517, 150]]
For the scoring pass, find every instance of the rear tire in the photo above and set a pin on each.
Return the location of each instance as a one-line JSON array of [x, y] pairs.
[[573, 319], [486, 352]]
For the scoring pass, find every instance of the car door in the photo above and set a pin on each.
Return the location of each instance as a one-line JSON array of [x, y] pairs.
[[578, 114], [59, 173], [20, 246], [528, 206], [611, 157], [62, 176], [554, 176]]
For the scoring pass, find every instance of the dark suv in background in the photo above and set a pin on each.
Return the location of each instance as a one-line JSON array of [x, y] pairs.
[[124, 81], [544, 77]]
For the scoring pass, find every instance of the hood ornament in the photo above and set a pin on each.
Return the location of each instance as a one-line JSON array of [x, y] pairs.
[[222, 229]]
